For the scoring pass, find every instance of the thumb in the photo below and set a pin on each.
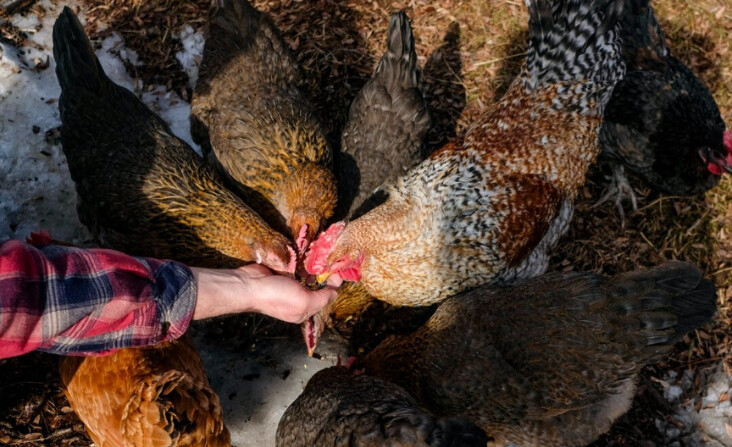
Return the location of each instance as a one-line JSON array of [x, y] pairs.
[[325, 296]]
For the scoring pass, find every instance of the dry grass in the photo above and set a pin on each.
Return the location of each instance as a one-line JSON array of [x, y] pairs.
[[470, 51]]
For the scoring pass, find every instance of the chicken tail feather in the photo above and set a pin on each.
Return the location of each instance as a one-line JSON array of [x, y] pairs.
[[76, 63], [641, 34], [675, 300], [399, 63], [574, 40]]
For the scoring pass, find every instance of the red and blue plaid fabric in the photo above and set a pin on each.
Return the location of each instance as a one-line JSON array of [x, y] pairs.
[[68, 300]]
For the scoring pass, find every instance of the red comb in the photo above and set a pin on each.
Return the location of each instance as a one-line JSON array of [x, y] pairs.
[[316, 260], [727, 139]]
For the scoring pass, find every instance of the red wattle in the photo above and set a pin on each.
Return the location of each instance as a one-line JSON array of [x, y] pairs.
[[714, 169], [350, 274]]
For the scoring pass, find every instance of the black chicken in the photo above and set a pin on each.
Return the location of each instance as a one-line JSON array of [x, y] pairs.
[[661, 123]]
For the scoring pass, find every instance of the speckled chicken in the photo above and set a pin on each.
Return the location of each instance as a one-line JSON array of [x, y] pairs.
[[387, 123], [142, 190], [383, 137], [661, 123], [550, 362], [263, 133], [146, 397], [339, 408], [489, 206]]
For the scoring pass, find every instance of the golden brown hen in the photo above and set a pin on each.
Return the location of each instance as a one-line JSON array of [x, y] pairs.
[[142, 190], [146, 397], [262, 130], [554, 360], [489, 206]]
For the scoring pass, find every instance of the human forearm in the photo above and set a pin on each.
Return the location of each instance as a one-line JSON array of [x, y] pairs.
[[72, 301], [254, 288]]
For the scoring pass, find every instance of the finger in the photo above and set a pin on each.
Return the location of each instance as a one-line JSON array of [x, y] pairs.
[[324, 296]]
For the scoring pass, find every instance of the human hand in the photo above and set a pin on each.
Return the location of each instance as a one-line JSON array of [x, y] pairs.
[[254, 288]]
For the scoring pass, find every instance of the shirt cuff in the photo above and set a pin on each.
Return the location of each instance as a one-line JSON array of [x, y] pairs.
[[176, 299]]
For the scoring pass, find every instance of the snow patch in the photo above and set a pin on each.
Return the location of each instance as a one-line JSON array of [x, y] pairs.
[[190, 57]]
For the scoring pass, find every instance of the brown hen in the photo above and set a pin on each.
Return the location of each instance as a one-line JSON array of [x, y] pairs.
[[146, 397], [263, 133], [368, 412], [489, 206], [387, 123], [142, 190], [554, 360]]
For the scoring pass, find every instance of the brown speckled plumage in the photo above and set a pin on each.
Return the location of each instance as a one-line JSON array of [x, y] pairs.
[[552, 361], [339, 408], [488, 206], [387, 123], [146, 397], [262, 130], [141, 189]]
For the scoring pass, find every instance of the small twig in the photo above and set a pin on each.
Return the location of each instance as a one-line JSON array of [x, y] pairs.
[[696, 224], [724, 270], [647, 241], [661, 199], [499, 59]]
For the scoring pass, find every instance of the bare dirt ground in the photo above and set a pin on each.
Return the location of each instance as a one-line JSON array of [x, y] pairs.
[[470, 50]]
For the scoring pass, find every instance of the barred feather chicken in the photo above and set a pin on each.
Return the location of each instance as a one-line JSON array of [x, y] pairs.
[[661, 124], [146, 397], [383, 137], [263, 133], [562, 383], [489, 206], [367, 412], [142, 190], [387, 123]]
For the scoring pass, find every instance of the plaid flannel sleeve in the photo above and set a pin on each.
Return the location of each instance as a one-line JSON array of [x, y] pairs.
[[68, 300]]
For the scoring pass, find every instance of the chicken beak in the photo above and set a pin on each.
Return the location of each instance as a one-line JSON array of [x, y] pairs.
[[311, 350], [322, 278]]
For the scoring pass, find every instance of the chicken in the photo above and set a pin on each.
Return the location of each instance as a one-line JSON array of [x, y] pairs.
[[383, 137], [263, 133], [147, 397], [564, 381], [387, 123], [141, 189], [144, 191], [661, 123], [489, 206], [340, 408]]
